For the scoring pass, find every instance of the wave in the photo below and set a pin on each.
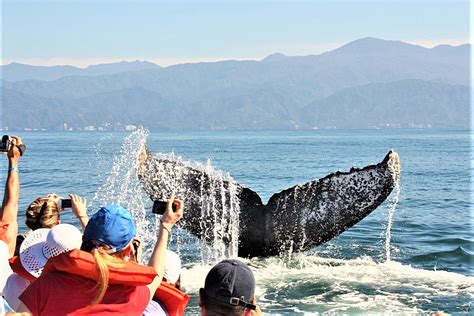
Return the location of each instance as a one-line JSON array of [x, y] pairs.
[[315, 283], [310, 284]]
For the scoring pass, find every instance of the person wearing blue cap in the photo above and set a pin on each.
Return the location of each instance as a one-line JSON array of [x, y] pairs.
[[102, 278], [229, 289]]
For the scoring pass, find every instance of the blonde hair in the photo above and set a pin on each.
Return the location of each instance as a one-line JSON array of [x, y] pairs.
[[42, 213], [104, 261]]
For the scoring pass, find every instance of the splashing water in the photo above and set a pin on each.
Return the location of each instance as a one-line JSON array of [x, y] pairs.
[[217, 199], [392, 204], [122, 186]]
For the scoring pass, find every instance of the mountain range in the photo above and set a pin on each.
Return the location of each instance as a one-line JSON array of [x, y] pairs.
[[367, 83]]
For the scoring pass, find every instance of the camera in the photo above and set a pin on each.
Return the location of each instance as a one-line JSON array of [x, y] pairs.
[[159, 207], [6, 143], [64, 203]]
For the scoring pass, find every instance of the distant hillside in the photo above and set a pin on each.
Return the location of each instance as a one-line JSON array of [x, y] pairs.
[[407, 103], [366, 83], [20, 72]]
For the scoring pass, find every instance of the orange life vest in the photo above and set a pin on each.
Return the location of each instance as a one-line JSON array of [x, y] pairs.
[[174, 300], [82, 263], [17, 267]]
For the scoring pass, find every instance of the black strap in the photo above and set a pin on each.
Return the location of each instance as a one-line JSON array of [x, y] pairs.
[[21, 148], [240, 302], [234, 301]]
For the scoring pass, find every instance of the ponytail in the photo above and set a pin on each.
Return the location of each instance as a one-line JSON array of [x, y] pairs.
[[101, 261], [104, 261]]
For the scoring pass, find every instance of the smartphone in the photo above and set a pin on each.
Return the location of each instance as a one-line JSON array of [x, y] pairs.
[[159, 207], [64, 203]]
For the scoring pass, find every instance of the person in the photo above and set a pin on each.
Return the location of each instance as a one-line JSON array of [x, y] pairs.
[[170, 300], [37, 248], [172, 273], [229, 289], [9, 216], [5, 272], [100, 279], [44, 212], [41, 215], [9, 211]]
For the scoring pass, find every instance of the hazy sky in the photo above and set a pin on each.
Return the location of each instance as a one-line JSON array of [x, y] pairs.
[[89, 32]]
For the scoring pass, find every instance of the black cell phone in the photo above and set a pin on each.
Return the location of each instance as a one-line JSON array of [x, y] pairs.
[[159, 207], [65, 203]]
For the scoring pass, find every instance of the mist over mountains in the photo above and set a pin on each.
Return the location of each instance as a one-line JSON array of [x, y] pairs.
[[368, 83]]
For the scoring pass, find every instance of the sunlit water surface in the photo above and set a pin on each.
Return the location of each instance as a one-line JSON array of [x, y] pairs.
[[431, 242]]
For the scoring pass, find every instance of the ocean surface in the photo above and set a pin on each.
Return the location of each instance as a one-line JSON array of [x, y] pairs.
[[431, 246]]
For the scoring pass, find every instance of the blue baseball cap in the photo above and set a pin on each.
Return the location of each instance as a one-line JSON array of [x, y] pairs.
[[112, 225]]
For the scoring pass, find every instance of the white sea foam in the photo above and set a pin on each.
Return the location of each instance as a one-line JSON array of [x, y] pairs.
[[311, 284]]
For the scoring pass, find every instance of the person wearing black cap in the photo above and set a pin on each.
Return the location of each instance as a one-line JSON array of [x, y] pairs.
[[229, 289]]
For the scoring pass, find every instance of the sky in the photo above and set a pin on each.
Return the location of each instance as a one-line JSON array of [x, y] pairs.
[[82, 33]]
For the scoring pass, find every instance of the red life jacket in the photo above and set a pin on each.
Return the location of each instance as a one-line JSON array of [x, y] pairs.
[[83, 264], [174, 300], [17, 267]]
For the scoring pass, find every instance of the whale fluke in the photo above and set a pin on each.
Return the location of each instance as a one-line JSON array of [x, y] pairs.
[[296, 219]]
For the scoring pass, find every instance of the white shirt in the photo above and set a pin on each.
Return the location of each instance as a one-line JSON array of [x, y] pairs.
[[155, 308], [5, 270], [13, 288]]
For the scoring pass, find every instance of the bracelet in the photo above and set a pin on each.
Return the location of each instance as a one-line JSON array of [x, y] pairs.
[[13, 169], [166, 228]]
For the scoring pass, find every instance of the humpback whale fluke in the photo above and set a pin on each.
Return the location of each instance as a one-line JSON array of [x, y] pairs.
[[296, 219]]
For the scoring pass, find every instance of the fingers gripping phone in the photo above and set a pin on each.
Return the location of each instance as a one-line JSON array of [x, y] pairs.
[[159, 207]]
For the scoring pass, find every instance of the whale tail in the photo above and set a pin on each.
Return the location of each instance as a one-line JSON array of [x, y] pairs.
[[295, 219], [307, 215]]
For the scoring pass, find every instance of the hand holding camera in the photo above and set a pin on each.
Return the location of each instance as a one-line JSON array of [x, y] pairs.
[[13, 146], [77, 203], [172, 212], [159, 207]]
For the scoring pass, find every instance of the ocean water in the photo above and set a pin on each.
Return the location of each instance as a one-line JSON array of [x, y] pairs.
[[431, 245]]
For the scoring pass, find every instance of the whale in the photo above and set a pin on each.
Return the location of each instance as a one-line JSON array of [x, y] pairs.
[[296, 219]]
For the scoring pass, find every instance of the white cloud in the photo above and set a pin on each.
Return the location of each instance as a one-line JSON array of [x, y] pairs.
[[430, 43], [298, 49]]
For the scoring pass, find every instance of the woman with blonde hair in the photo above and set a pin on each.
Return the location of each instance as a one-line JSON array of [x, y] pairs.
[[44, 212], [41, 215], [101, 279]]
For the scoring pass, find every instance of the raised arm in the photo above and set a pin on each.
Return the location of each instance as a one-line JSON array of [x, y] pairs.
[[79, 209], [9, 212], [158, 256]]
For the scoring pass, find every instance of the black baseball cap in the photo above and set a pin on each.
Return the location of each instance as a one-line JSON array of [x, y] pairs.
[[231, 282]]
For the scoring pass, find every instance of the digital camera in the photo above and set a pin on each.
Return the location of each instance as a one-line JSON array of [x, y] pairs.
[[159, 207], [6, 143]]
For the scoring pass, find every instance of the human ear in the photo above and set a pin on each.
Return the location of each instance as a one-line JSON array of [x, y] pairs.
[[201, 297]]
